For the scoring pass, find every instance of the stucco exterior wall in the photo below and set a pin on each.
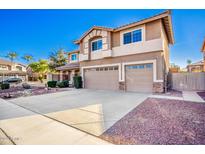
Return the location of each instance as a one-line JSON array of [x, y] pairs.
[[153, 30], [115, 39], [165, 48], [106, 40], [137, 57]]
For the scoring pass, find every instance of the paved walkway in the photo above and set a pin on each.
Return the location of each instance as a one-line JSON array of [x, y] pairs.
[[192, 96], [31, 128], [167, 97]]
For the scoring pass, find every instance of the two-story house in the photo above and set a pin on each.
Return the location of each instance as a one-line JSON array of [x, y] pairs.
[[132, 57], [10, 69]]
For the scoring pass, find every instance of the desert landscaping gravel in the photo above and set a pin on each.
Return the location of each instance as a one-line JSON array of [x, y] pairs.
[[15, 92], [201, 94], [160, 121]]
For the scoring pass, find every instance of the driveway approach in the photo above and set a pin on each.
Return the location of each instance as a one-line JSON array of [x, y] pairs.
[[92, 111]]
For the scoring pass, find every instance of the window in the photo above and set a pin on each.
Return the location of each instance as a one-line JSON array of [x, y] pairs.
[[134, 36], [96, 45], [19, 68], [141, 66], [73, 57], [127, 38], [137, 35], [148, 65]]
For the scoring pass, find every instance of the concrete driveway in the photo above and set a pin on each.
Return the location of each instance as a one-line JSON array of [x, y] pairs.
[[91, 111]]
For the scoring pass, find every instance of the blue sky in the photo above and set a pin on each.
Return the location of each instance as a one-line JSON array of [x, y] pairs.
[[38, 32]]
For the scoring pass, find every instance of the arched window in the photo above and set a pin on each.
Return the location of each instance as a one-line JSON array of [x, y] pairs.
[[96, 44]]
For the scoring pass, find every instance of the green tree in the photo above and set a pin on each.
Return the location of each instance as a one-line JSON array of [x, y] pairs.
[[56, 59], [189, 61], [41, 67], [12, 55], [27, 58]]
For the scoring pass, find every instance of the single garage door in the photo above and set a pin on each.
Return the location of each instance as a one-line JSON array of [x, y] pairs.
[[105, 78], [139, 78]]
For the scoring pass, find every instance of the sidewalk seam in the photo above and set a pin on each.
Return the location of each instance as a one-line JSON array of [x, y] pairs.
[[8, 136]]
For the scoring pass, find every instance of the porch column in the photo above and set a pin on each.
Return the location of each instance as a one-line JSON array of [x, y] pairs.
[[72, 74], [61, 75]]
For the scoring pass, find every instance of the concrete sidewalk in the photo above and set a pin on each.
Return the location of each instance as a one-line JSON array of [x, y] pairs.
[[192, 96], [31, 128]]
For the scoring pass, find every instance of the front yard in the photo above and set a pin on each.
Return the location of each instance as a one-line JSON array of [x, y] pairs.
[[117, 117], [160, 121], [19, 91]]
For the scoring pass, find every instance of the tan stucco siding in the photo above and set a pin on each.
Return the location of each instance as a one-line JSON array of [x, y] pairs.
[[165, 48], [131, 58], [115, 39], [86, 42], [153, 30]]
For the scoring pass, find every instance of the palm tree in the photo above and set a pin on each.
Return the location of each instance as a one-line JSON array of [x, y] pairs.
[[27, 58], [189, 61], [41, 67], [56, 59], [11, 55]]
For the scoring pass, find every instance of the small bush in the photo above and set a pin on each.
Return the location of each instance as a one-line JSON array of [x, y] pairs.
[[52, 84], [77, 81], [5, 86], [66, 83], [60, 84]]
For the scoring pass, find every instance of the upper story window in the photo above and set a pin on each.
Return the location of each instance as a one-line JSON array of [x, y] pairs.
[[73, 57], [134, 36], [19, 68], [3, 67], [96, 45]]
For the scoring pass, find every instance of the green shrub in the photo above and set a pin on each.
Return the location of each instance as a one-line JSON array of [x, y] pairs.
[[60, 84], [5, 86], [66, 83], [77, 81], [52, 84]]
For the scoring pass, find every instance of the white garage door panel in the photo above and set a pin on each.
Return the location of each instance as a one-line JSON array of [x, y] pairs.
[[139, 78], [102, 78]]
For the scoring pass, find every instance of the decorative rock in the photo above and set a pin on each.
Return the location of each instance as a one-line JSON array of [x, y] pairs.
[[26, 86]]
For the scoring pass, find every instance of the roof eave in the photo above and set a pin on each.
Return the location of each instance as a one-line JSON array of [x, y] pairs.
[[164, 15], [91, 29], [203, 47]]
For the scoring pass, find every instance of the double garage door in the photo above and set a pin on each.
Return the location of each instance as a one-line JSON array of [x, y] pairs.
[[138, 78]]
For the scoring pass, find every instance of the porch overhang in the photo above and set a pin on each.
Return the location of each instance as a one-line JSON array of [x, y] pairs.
[[6, 72], [70, 66]]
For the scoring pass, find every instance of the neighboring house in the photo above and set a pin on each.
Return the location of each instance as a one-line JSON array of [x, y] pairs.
[[200, 65], [174, 68], [203, 50], [10, 69], [196, 67], [132, 57], [72, 68]]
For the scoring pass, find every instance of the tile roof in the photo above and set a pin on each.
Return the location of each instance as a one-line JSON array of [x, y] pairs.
[[164, 15], [201, 62], [68, 66], [203, 46]]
